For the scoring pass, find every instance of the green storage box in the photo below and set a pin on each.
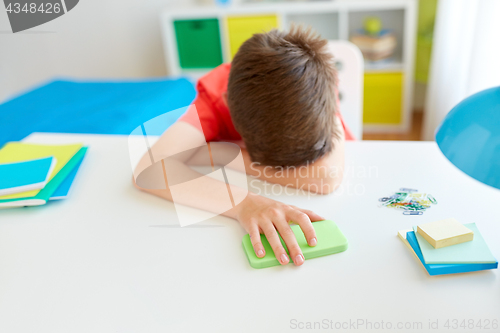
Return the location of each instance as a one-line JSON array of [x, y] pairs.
[[198, 43]]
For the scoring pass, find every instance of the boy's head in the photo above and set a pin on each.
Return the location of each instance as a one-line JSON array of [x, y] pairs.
[[281, 96]]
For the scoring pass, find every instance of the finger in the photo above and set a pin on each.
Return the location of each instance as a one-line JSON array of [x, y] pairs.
[[256, 242], [274, 241], [312, 215], [290, 241], [304, 221]]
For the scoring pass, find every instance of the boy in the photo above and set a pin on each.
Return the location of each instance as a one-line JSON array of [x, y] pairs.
[[278, 97]]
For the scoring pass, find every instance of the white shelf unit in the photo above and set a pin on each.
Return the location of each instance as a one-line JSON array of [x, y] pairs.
[[336, 19]]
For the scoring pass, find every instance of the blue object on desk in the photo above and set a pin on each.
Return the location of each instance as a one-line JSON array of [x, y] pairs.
[[63, 190], [441, 269], [25, 176], [469, 136], [92, 107]]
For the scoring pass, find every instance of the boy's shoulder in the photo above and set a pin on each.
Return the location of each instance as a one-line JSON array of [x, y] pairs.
[[214, 83], [211, 111]]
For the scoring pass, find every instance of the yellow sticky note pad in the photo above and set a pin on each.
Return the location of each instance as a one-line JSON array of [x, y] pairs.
[[445, 232]]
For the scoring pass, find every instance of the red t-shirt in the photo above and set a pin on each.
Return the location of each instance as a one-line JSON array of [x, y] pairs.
[[213, 113]]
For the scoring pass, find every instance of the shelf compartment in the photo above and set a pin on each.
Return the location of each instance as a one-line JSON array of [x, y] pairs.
[[240, 28], [326, 24], [392, 19], [383, 95], [198, 43]]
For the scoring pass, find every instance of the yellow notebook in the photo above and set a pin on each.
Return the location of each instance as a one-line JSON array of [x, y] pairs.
[[19, 151]]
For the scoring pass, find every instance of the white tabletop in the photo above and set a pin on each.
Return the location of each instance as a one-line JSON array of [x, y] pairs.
[[113, 259]]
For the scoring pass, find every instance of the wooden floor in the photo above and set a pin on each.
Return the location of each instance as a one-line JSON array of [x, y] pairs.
[[413, 135]]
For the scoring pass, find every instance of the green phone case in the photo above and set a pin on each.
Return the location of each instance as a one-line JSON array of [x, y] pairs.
[[330, 240]]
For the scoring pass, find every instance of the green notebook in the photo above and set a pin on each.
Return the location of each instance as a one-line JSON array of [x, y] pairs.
[[44, 194], [473, 252], [330, 240]]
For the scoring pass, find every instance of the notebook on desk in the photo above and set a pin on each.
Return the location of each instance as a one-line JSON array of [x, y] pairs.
[[64, 188], [67, 156], [473, 252], [16, 177], [441, 269]]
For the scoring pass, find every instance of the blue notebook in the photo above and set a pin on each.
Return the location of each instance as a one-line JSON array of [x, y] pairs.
[[25, 176], [441, 269], [62, 191]]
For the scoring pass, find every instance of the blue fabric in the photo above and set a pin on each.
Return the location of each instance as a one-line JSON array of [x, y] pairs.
[[92, 107]]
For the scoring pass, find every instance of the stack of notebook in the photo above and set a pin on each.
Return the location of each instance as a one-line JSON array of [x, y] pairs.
[[33, 174], [468, 256]]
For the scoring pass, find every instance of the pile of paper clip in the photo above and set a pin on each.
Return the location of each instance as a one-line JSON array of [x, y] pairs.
[[409, 200]]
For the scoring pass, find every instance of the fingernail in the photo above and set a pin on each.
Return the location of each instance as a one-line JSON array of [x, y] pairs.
[[313, 242], [299, 259], [284, 259], [260, 253]]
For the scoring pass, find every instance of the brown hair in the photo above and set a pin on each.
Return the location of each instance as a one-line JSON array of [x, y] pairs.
[[281, 96]]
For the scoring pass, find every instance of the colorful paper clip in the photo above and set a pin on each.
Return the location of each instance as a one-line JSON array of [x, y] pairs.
[[418, 212], [432, 199], [409, 200], [404, 189]]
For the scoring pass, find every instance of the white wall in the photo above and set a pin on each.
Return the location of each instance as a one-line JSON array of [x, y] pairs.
[[96, 39]]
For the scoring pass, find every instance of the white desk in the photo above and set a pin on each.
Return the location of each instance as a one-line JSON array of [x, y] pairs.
[[112, 259]]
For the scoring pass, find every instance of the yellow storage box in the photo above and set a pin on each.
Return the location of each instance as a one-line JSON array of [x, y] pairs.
[[383, 97], [240, 28]]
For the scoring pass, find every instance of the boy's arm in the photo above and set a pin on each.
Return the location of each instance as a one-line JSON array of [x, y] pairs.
[[256, 214], [322, 177]]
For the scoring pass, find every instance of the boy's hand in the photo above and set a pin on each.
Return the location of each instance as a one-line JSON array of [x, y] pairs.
[[258, 215]]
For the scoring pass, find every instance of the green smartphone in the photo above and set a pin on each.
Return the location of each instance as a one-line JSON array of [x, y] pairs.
[[330, 240]]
